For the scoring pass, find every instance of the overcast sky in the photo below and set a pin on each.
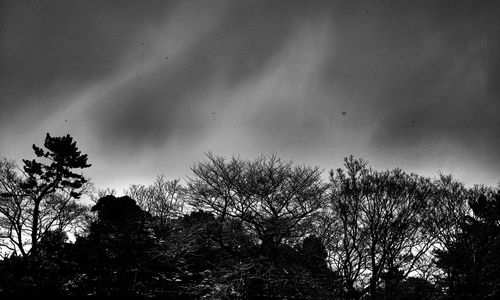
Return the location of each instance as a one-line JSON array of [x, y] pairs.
[[147, 87]]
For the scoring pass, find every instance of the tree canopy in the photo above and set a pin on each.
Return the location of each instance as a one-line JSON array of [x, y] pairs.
[[246, 229]]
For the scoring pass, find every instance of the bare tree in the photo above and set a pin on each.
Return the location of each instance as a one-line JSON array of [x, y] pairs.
[[13, 203], [342, 227], [274, 199], [449, 207], [379, 221], [96, 194], [164, 199]]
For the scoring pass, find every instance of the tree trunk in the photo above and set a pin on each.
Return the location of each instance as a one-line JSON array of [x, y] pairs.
[[34, 229], [373, 288]]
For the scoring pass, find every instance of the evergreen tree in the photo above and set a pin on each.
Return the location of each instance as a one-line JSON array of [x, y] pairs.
[[472, 263], [54, 174]]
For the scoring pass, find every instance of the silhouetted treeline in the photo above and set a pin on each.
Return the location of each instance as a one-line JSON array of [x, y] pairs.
[[246, 229]]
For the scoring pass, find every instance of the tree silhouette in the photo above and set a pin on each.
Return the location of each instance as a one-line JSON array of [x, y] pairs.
[[55, 174], [42, 197], [115, 249], [472, 263], [377, 223], [164, 199], [264, 229], [274, 199]]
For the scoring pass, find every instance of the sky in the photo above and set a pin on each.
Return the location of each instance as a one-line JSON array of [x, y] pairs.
[[149, 87]]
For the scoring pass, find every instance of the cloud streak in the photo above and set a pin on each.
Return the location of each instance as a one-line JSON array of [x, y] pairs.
[[399, 83]]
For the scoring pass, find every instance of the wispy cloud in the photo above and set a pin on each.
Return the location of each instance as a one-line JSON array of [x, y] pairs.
[[147, 87]]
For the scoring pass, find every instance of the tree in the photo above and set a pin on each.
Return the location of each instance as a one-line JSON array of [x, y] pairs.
[[115, 250], [164, 199], [13, 216], [120, 230], [448, 208], [272, 198], [471, 262], [124, 254], [44, 196], [58, 212], [378, 222]]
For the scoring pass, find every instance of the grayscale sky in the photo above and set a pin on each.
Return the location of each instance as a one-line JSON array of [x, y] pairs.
[[147, 87]]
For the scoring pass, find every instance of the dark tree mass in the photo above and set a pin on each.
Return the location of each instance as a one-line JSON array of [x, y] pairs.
[[245, 229]]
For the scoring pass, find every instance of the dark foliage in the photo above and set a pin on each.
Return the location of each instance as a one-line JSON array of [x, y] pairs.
[[124, 255], [472, 263], [43, 274]]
